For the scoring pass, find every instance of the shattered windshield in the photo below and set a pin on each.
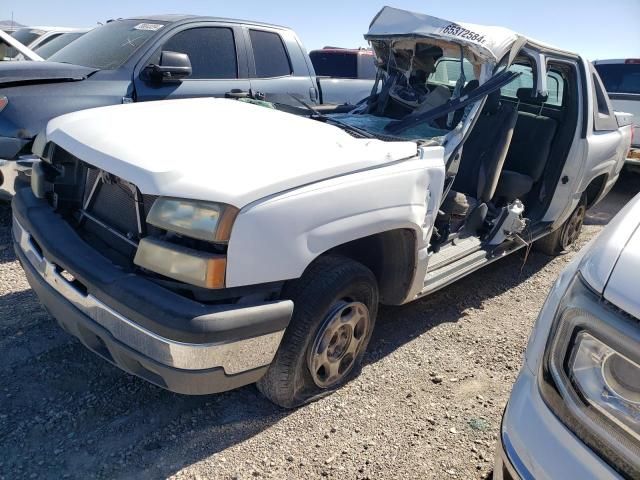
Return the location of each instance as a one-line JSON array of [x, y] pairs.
[[108, 47], [418, 76]]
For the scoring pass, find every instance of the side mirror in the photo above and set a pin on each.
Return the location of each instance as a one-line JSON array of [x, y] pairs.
[[173, 67]]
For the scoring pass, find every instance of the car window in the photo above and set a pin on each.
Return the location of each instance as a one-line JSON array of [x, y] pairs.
[[603, 115], [367, 66], [211, 50], [555, 84], [49, 38], [555, 87], [600, 97], [25, 36], [269, 54], [53, 46], [333, 63], [525, 80], [109, 46], [620, 77], [448, 71]]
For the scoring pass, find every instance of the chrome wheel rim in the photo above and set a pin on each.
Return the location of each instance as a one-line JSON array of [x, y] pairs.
[[338, 342], [574, 227]]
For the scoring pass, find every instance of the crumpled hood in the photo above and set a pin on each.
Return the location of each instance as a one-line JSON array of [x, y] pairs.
[[216, 149], [19, 73]]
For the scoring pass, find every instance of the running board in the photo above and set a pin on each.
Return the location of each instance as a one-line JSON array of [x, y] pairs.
[[453, 252], [442, 273]]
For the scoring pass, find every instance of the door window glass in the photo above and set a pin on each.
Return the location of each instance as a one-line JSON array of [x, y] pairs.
[[555, 87], [269, 54], [525, 80], [211, 50], [336, 64], [555, 84]]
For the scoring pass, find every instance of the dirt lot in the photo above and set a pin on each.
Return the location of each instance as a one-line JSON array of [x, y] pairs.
[[427, 405]]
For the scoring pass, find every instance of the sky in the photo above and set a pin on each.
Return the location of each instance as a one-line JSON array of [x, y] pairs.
[[596, 29]]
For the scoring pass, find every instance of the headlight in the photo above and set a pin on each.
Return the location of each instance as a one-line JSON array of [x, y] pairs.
[[591, 376], [206, 221], [184, 264]]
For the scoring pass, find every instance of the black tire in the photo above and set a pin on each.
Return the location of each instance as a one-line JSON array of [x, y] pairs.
[[318, 295], [559, 241]]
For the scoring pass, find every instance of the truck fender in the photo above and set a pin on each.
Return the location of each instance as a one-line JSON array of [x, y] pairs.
[[276, 238]]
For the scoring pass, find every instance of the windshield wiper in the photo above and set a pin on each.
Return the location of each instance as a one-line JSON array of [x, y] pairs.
[[414, 119]]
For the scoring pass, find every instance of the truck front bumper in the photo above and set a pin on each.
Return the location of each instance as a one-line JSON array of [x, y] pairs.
[[15, 174], [534, 444], [149, 331]]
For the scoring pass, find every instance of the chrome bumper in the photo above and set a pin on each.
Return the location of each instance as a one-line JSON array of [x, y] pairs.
[[234, 357]]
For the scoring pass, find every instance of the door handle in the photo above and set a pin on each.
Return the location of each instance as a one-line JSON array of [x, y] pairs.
[[237, 93]]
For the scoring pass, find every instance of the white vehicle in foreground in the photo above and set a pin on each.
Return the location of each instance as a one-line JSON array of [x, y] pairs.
[[204, 244], [621, 79], [574, 411]]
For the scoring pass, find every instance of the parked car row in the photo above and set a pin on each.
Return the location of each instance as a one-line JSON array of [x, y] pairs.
[[36, 38], [203, 244], [153, 58]]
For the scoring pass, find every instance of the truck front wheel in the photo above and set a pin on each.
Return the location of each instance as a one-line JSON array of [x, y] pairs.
[[561, 239], [335, 308]]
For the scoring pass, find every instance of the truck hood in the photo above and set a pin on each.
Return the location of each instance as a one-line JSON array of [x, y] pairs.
[[622, 287], [611, 264], [23, 73], [216, 149]]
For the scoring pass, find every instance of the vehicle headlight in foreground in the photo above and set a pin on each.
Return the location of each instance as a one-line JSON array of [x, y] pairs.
[[206, 221], [193, 251], [591, 376]]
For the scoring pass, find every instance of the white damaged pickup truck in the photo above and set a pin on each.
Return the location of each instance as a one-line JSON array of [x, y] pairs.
[[205, 244]]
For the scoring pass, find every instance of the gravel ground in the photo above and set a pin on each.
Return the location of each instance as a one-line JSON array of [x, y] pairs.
[[427, 405]]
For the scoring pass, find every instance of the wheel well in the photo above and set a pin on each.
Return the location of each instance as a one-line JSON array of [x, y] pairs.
[[594, 189], [391, 256]]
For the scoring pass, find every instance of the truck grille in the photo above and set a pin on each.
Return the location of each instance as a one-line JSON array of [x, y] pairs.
[[108, 212], [110, 220], [114, 203]]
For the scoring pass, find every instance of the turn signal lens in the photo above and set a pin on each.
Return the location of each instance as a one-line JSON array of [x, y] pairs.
[[4, 101], [183, 264]]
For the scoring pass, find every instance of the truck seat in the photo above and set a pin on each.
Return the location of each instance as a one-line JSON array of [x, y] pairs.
[[483, 156], [528, 153]]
